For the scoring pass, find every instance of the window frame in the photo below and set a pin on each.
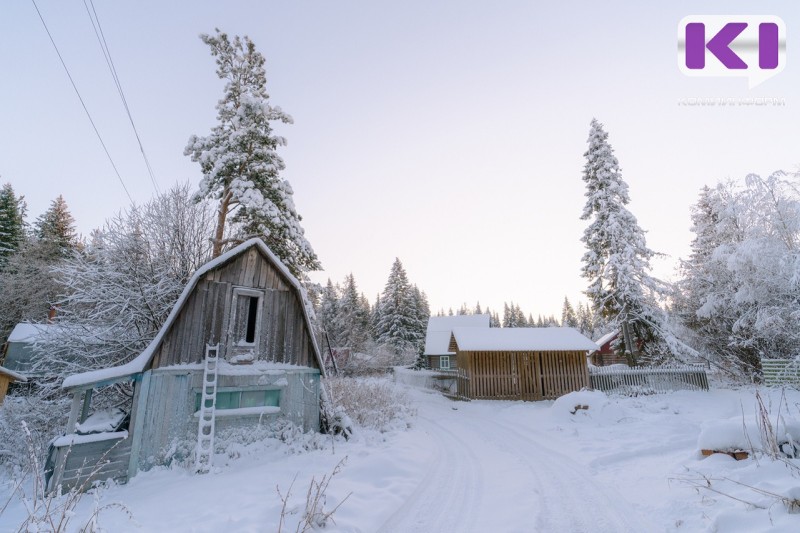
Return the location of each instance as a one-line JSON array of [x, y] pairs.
[[443, 358], [232, 329], [229, 390]]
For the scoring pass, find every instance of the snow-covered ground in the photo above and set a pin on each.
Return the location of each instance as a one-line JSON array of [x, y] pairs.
[[623, 464]]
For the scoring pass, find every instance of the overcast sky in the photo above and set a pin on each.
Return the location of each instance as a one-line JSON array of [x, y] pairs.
[[448, 134]]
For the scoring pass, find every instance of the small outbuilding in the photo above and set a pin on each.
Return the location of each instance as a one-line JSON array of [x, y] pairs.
[[7, 377], [605, 354], [437, 338], [18, 351], [520, 363], [237, 351]]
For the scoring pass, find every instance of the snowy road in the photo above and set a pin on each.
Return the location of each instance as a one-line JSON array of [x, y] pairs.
[[488, 475]]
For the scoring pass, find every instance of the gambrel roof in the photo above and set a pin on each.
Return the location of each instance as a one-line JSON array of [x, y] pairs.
[[140, 363]]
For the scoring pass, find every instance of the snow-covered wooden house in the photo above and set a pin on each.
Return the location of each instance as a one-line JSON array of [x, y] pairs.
[[437, 338], [605, 354], [236, 351], [520, 363]]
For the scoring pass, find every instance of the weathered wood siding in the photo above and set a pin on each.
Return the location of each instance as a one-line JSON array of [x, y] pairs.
[[512, 375], [80, 465], [205, 317], [169, 428]]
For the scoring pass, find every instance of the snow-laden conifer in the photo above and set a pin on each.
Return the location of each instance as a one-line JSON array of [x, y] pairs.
[[12, 222], [617, 260], [240, 162], [398, 324]]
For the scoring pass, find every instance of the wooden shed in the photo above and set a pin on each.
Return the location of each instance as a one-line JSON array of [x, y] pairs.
[[236, 351], [520, 363], [7, 377]]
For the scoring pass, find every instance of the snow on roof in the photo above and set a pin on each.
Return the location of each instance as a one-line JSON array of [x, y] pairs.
[[14, 375], [27, 332], [517, 339], [607, 337], [139, 363], [437, 338]]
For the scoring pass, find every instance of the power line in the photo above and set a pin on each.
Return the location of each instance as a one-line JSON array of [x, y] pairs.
[[101, 39], [99, 137]]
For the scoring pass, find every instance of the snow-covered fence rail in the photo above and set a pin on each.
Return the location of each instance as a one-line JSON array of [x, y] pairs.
[[781, 371], [452, 383], [648, 380], [425, 379]]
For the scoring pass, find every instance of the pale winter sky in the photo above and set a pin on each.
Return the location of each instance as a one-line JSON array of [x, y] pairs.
[[449, 134]]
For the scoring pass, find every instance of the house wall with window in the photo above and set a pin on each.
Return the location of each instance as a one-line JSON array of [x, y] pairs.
[[262, 396], [250, 308], [442, 362]]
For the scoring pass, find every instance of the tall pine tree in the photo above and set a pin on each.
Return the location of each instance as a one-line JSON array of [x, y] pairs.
[[240, 163]]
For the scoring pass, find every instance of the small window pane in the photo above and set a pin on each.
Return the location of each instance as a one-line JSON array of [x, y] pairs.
[[253, 398], [228, 400], [273, 398], [242, 399]]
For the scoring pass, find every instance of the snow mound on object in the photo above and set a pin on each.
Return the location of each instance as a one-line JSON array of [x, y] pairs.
[[582, 405], [102, 421], [739, 433]]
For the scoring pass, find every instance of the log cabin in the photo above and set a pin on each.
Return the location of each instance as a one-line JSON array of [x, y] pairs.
[[236, 351]]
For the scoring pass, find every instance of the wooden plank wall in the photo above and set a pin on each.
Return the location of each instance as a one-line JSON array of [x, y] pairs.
[[204, 318], [169, 405], [511, 375], [80, 463]]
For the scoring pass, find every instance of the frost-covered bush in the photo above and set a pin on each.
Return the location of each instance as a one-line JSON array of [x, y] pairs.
[[243, 441], [45, 419], [371, 403]]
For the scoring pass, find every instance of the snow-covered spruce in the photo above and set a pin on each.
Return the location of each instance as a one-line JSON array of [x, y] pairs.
[[617, 259]]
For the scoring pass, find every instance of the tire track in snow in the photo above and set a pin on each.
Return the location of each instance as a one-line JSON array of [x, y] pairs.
[[571, 500], [448, 497]]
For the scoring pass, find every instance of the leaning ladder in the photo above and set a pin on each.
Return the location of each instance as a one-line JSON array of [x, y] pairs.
[[208, 402]]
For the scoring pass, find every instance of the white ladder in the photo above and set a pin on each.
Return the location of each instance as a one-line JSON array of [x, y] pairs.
[[208, 401]]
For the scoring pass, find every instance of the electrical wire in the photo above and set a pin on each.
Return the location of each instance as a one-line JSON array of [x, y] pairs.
[[86, 110], [101, 39]]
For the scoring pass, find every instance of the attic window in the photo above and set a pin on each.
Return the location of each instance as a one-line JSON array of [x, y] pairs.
[[252, 313], [246, 316]]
